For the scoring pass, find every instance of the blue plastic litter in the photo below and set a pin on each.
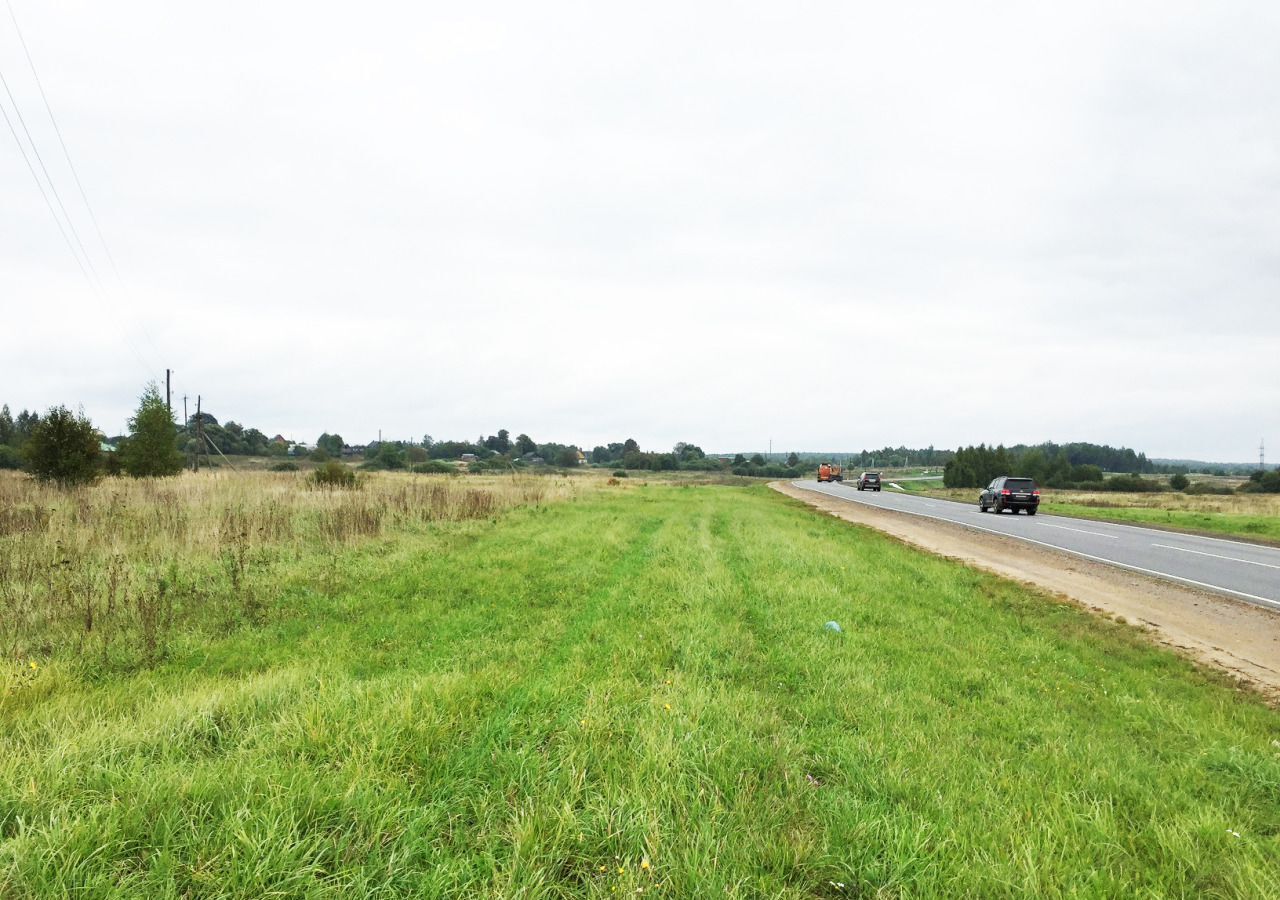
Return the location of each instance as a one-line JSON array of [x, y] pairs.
[[833, 626]]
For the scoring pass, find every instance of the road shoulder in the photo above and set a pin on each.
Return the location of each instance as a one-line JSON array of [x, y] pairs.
[[1235, 637]]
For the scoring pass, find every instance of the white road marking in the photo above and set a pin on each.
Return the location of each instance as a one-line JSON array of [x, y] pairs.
[[1216, 556], [1265, 601], [1081, 530]]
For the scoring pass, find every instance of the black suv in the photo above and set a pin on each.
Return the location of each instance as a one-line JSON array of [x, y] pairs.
[[1007, 492], [869, 481]]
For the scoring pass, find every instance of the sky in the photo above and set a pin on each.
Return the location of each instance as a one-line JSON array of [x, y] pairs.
[[827, 226]]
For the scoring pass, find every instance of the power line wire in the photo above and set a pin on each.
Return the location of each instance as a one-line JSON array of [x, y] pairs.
[[43, 193], [52, 187], [58, 131]]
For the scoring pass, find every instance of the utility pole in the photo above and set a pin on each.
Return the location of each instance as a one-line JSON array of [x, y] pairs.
[[1262, 454], [168, 391], [185, 420], [195, 458]]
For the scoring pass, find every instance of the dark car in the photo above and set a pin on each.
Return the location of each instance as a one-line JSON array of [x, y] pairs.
[[869, 481], [1007, 492]]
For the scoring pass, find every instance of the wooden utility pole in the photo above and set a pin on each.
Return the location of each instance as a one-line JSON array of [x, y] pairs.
[[168, 391], [195, 459]]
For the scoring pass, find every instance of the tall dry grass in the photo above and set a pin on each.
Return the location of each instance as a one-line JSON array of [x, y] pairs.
[[111, 570]]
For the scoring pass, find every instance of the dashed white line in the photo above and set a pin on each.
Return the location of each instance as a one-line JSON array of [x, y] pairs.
[[1249, 562], [1080, 530]]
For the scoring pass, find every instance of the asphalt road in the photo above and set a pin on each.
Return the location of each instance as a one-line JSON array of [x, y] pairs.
[[1248, 571]]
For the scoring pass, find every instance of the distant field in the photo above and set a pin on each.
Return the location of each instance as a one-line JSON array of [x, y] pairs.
[[611, 690], [1254, 516]]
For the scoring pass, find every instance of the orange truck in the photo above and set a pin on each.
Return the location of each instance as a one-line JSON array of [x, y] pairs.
[[828, 472]]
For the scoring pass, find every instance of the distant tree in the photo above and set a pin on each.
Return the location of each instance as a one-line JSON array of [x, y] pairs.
[[318, 455], [525, 445], [757, 460], [685, 452], [739, 459], [568, 457], [149, 451], [499, 443], [64, 448], [330, 443], [600, 454], [6, 425], [1179, 482], [630, 446], [23, 426], [390, 455], [416, 454], [793, 460]]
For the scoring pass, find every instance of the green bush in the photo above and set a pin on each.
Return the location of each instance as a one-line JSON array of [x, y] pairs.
[[64, 449], [285, 466], [9, 458], [1205, 487], [435, 467], [1179, 482], [333, 474], [620, 473]]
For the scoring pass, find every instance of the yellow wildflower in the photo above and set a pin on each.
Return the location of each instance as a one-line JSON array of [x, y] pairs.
[[644, 864], [34, 664]]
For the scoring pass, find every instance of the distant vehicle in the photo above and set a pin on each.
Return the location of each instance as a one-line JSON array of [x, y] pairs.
[[1008, 492], [828, 472], [869, 481]]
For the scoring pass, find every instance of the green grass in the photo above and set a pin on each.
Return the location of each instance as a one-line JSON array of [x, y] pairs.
[[533, 707]]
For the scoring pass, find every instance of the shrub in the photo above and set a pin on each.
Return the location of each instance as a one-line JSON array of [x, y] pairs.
[[9, 458], [1205, 487], [333, 474], [620, 473], [1131, 484], [64, 449], [1179, 482], [435, 467], [285, 466], [318, 455]]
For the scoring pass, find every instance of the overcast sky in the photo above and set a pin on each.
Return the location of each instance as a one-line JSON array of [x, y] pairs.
[[833, 225]]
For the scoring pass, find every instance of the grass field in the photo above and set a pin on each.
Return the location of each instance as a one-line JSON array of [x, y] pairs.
[[1253, 516], [629, 690]]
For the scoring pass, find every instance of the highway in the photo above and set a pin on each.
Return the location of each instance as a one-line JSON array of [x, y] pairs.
[[1246, 571]]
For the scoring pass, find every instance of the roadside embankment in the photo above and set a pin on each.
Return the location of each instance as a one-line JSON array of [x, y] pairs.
[[1241, 639]]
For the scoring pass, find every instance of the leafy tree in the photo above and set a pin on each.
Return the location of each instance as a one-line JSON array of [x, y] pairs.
[[793, 460], [739, 459], [416, 454], [630, 446], [149, 451], [525, 445], [568, 457], [6, 425], [499, 443], [600, 454], [64, 448], [1179, 482], [757, 460], [330, 443], [23, 426]]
